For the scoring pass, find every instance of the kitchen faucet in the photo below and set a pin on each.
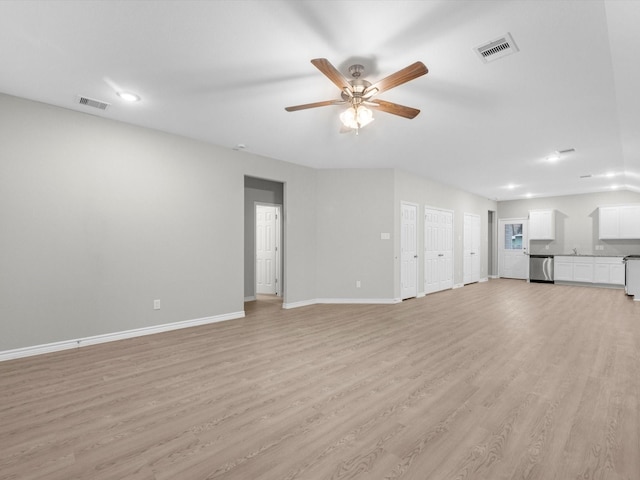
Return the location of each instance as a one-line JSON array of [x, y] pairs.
[[575, 251]]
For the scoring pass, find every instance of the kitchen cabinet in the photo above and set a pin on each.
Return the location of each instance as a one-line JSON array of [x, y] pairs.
[[542, 225], [563, 269], [584, 269], [619, 222], [630, 221], [609, 270]]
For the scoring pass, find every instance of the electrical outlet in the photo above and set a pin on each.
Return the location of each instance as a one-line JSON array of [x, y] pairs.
[[358, 284], [156, 304]]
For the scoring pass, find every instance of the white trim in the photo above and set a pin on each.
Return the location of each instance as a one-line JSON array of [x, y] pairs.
[[112, 337], [458, 285], [421, 294], [303, 303], [368, 301], [250, 299], [341, 301], [484, 279]]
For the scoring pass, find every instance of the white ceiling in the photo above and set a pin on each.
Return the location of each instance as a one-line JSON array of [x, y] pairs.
[[223, 71]]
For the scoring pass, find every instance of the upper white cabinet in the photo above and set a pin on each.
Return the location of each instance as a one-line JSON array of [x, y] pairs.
[[542, 225], [619, 222], [630, 221]]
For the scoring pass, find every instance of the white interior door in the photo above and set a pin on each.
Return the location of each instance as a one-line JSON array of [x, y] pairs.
[[409, 251], [438, 250], [471, 248], [513, 261], [267, 249]]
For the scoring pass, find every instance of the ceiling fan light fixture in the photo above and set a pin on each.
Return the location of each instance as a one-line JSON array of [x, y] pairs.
[[356, 117]]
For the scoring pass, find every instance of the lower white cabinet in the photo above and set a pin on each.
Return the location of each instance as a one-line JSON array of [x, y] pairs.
[[563, 269], [604, 270], [583, 269], [609, 270]]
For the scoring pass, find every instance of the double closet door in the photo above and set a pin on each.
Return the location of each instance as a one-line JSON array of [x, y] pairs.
[[438, 250]]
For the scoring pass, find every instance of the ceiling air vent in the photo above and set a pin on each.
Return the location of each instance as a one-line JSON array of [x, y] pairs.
[[498, 48], [90, 102]]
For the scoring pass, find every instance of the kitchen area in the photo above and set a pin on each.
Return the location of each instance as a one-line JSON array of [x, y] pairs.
[[585, 240]]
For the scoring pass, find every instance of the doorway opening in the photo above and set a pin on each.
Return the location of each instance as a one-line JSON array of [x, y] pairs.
[[492, 245], [264, 243]]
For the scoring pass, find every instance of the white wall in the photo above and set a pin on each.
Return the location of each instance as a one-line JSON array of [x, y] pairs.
[[576, 222]]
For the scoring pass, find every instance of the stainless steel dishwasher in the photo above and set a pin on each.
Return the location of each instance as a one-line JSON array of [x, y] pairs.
[[541, 268]]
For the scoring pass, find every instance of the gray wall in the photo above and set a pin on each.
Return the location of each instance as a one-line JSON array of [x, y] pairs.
[[99, 218], [260, 191], [426, 193], [576, 222], [354, 207]]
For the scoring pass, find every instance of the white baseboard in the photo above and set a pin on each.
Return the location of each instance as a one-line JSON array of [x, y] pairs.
[[342, 301], [458, 285], [112, 337], [250, 299], [303, 303], [365, 301], [484, 279], [421, 294]]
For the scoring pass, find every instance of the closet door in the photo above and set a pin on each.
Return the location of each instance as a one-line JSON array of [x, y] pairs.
[[438, 250]]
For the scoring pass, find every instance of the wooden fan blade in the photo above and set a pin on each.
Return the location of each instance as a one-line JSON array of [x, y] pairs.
[[394, 108], [332, 73], [401, 76], [314, 105]]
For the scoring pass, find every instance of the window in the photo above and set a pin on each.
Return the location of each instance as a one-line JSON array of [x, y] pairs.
[[513, 236]]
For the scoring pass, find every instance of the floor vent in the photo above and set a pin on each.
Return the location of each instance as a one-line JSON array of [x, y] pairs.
[[90, 102], [498, 48]]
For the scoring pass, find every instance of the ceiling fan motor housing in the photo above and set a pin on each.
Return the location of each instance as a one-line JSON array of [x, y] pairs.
[[355, 96]]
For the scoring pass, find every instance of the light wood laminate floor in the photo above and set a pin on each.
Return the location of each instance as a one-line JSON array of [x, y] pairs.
[[498, 380]]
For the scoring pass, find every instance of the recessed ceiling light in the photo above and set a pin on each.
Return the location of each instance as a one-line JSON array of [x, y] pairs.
[[511, 186], [610, 174], [614, 187], [558, 154], [528, 195], [129, 97], [554, 157]]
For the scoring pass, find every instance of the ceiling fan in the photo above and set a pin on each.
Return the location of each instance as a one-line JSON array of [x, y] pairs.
[[359, 93]]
